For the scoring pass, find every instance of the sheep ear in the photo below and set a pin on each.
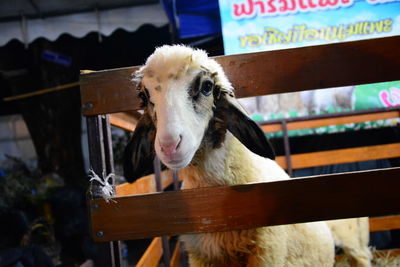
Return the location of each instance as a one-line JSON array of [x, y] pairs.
[[245, 129], [139, 152]]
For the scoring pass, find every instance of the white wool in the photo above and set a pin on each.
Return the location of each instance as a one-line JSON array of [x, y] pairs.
[[170, 60]]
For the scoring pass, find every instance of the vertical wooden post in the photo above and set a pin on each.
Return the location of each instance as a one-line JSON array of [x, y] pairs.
[[101, 161]]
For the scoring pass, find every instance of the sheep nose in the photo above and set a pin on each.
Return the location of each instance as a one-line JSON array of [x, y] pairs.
[[169, 148]]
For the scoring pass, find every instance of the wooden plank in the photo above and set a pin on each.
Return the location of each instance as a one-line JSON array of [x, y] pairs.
[[271, 72], [108, 91], [281, 160], [176, 255], [384, 223], [123, 120], [338, 156], [144, 185], [276, 127], [152, 255], [226, 208], [272, 128], [312, 67]]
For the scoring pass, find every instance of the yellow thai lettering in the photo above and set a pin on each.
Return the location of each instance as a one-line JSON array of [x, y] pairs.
[[243, 41], [285, 38], [301, 33], [311, 34], [388, 25], [378, 26], [272, 35], [300, 29]]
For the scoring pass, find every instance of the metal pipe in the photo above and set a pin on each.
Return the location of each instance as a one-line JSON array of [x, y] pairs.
[[286, 144]]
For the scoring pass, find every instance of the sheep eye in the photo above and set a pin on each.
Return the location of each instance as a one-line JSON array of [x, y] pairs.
[[206, 88]]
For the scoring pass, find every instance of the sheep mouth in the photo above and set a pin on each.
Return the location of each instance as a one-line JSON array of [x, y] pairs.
[[177, 163]]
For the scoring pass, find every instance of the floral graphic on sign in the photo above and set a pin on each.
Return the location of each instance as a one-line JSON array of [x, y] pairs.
[[391, 97]]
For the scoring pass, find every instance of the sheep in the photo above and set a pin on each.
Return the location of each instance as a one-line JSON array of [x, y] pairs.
[[193, 122]]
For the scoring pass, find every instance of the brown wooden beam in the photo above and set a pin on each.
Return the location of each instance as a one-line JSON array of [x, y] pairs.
[[384, 223], [262, 73], [357, 194], [313, 123], [124, 120], [339, 156], [144, 185]]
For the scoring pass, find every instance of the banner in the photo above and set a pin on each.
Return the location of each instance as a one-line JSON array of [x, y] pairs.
[[260, 25]]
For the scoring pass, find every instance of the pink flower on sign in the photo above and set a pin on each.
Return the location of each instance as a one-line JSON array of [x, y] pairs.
[[390, 99]]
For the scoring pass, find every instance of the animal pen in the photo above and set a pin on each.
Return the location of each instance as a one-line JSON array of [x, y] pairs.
[[139, 211]]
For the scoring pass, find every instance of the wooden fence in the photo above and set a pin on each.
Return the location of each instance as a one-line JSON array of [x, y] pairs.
[[251, 205]]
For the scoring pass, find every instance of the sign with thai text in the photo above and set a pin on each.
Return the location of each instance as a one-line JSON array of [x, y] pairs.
[[259, 25]]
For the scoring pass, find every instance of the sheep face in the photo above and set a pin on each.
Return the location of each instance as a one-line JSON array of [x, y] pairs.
[[189, 103], [181, 108]]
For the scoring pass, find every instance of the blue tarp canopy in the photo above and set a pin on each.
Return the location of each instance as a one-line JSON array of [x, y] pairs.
[[193, 18]]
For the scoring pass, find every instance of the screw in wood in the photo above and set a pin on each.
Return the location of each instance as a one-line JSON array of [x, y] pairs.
[[100, 234], [87, 106]]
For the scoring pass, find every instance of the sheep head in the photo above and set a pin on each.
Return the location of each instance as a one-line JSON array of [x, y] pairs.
[[189, 103]]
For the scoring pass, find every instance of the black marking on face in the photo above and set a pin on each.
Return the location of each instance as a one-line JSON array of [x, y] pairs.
[[228, 117], [139, 152], [143, 98], [201, 86], [144, 95], [217, 92], [194, 87]]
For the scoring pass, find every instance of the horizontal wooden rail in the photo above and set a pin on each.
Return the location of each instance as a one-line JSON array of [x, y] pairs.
[[313, 123], [384, 223], [144, 185], [213, 209], [339, 156], [289, 70], [123, 120]]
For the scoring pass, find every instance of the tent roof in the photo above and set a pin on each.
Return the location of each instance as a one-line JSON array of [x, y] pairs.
[[13, 9], [27, 20]]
